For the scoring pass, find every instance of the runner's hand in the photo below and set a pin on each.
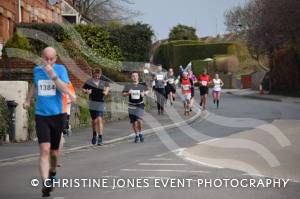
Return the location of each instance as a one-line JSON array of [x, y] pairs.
[[26, 105], [88, 91], [48, 68]]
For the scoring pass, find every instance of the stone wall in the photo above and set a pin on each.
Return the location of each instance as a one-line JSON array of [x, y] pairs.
[[17, 91]]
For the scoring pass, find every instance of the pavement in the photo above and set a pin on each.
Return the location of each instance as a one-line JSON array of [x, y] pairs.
[[256, 95]]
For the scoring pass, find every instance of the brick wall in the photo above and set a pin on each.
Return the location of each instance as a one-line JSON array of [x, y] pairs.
[[19, 69]]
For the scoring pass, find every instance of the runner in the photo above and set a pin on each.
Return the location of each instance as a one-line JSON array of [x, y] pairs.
[[160, 79], [186, 87], [218, 84], [204, 80], [96, 88], [171, 86], [50, 83], [193, 79], [71, 98], [136, 93]]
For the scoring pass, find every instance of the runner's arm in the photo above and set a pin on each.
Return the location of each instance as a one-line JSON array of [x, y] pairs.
[[29, 97], [106, 90], [60, 84], [222, 83], [126, 91]]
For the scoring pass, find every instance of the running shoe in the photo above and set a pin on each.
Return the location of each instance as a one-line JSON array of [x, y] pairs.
[[100, 141], [136, 139], [46, 191], [52, 177], [141, 137], [94, 140]]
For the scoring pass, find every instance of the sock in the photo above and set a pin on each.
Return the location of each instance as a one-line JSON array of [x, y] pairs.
[[217, 103], [214, 101], [94, 134], [100, 136]]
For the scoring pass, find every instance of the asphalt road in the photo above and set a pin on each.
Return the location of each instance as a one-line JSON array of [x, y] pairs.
[[159, 159]]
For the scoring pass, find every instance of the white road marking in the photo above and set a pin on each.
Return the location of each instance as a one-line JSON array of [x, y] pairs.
[[160, 159], [164, 170], [160, 164], [203, 163]]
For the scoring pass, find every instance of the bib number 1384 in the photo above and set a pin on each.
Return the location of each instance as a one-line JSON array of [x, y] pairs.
[[46, 88]]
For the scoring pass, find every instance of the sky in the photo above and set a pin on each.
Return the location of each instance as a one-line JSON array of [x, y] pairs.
[[207, 16]]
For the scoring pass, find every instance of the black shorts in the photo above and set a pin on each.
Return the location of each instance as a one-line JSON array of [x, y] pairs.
[[96, 109], [203, 90], [49, 129], [95, 114], [170, 88], [136, 112]]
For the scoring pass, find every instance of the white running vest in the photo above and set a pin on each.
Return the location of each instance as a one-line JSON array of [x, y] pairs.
[[217, 84]]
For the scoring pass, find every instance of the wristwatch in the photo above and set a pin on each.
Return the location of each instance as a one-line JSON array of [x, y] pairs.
[[54, 78]]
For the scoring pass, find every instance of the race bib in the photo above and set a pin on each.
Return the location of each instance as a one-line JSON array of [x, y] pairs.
[[136, 94], [46, 88], [204, 83], [171, 81], [160, 77], [186, 87]]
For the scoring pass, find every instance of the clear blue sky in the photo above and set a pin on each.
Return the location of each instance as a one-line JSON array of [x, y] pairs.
[[207, 16]]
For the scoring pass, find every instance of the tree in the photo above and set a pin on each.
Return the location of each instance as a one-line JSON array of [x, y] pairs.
[[182, 32], [243, 20], [134, 40], [271, 27], [105, 11]]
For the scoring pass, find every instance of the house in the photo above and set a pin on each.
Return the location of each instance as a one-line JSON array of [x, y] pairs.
[[27, 11], [71, 15]]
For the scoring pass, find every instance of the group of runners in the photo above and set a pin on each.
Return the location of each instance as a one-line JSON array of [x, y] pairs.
[[164, 85], [54, 94]]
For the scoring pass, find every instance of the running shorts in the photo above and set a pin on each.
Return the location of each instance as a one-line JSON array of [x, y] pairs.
[[49, 129], [136, 112], [203, 90]]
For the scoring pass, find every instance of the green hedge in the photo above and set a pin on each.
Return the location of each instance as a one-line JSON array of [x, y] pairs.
[[54, 31], [199, 65], [174, 55], [180, 42]]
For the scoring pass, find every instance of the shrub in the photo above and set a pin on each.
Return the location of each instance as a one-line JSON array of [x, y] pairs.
[[31, 121], [17, 41], [97, 39], [3, 119]]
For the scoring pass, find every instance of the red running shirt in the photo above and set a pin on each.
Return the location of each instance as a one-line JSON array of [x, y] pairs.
[[186, 86], [204, 80]]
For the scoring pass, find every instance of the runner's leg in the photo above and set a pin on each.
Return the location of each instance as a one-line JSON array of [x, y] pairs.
[[100, 130], [214, 95], [44, 160], [218, 98]]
